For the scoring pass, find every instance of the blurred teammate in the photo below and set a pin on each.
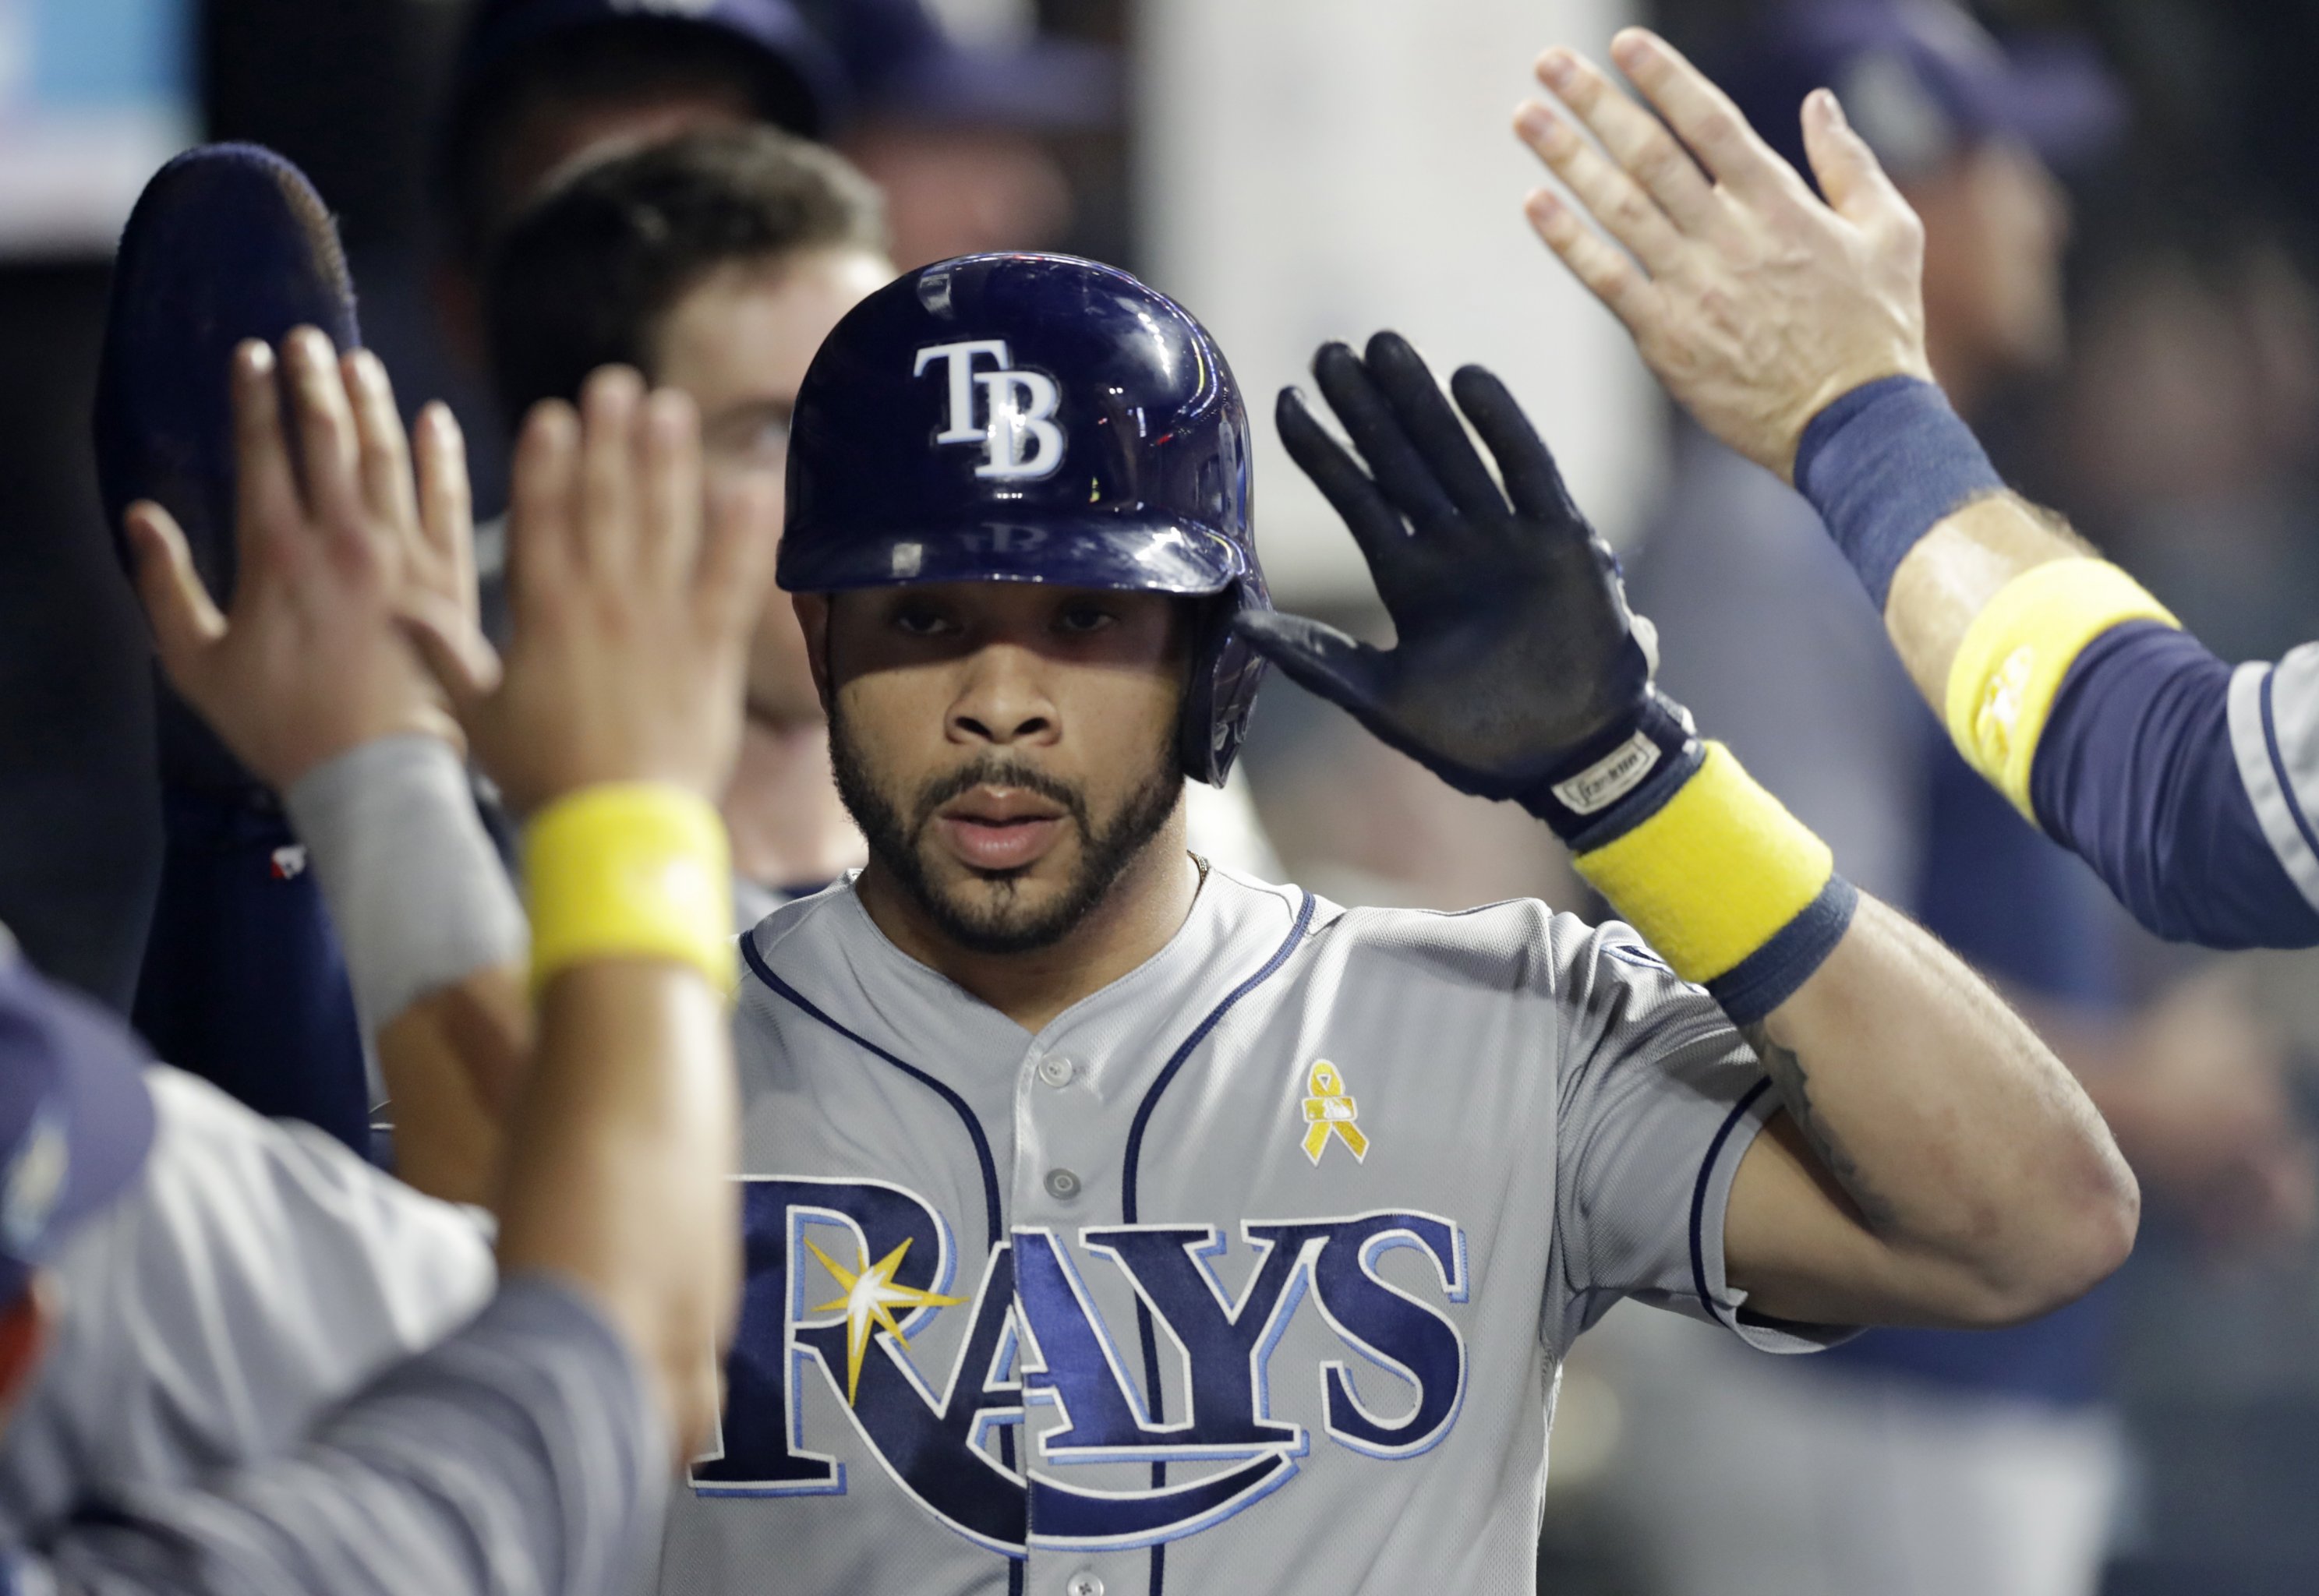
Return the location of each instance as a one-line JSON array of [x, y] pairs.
[[1922, 1460], [960, 134], [715, 263], [540, 83], [526, 1452], [1078, 1168], [1794, 331]]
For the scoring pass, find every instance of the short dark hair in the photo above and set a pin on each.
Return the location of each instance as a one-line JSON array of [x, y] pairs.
[[584, 277]]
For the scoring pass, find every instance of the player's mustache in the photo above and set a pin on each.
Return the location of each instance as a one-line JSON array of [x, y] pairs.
[[999, 773]]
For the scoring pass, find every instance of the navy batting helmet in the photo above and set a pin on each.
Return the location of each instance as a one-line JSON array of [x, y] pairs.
[[1033, 417]]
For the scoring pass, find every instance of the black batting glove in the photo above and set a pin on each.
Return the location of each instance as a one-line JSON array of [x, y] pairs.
[[1519, 673]]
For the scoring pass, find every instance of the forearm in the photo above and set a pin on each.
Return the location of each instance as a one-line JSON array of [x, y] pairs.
[[1936, 1164], [617, 1160], [435, 943], [615, 1167], [1944, 581], [1983, 1185], [454, 1063], [2061, 681]]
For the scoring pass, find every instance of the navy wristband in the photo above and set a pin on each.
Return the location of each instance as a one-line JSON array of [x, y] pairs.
[[1768, 977], [1884, 463], [1619, 779]]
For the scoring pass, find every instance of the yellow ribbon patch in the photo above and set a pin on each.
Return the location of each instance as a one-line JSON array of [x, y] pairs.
[[1330, 1111]]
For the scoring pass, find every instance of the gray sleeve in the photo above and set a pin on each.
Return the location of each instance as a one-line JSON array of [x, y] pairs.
[[1657, 1099], [255, 1276], [2274, 713], [523, 1457]]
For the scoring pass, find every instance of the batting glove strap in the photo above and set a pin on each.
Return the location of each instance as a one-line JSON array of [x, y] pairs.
[[1735, 893], [1885, 464], [1617, 779]]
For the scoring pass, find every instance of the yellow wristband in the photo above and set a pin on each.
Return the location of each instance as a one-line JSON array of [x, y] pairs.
[[629, 869], [2010, 665], [1719, 870]]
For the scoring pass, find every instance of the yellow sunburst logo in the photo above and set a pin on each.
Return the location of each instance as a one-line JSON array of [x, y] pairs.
[[870, 1297]]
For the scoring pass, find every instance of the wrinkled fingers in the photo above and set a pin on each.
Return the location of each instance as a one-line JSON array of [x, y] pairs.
[[1608, 272], [1704, 118], [1640, 150]]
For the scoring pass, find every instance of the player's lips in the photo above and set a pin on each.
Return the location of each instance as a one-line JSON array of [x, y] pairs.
[[999, 828]]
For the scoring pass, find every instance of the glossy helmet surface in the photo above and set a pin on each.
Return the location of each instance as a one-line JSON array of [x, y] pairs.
[[1033, 417]]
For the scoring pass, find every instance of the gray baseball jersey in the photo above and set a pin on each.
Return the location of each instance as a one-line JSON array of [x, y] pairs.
[[254, 1276], [1251, 1271], [522, 1456]]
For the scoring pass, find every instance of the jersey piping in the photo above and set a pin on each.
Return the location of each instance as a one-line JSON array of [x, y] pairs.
[[1739, 1111], [1127, 1201], [995, 1229]]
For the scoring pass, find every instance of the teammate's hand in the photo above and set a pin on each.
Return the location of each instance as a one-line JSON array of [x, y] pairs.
[[310, 664], [1755, 303], [1516, 649], [632, 604]]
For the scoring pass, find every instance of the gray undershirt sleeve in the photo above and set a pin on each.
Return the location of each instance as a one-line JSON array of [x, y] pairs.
[[524, 1457]]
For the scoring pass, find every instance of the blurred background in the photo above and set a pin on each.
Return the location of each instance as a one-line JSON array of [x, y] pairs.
[[2121, 214]]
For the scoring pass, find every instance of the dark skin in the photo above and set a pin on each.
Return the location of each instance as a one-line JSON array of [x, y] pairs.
[[1083, 688]]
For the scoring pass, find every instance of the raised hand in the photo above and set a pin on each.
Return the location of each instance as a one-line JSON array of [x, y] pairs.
[[1517, 663], [1754, 303], [632, 604], [334, 539]]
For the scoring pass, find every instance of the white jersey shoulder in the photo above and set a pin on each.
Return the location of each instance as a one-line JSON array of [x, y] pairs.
[[1303, 1211], [256, 1275], [2274, 711]]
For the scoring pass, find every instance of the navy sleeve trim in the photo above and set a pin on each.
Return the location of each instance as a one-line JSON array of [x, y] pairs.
[[1739, 1111], [1768, 977]]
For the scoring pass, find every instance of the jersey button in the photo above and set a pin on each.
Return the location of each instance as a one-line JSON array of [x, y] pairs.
[[1083, 1583], [1063, 1186], [1057, 1071]]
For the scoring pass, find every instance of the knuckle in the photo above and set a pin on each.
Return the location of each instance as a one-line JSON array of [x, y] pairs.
[[1629, 209], [1718, 131], [1651, 161]]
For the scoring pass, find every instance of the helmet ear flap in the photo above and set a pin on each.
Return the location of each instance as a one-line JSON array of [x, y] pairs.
[[1221, 689]]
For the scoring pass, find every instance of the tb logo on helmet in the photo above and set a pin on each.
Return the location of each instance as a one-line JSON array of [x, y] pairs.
[[1020, 440]]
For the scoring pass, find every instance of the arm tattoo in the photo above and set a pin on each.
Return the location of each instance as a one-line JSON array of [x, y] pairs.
[[1789, 1079]]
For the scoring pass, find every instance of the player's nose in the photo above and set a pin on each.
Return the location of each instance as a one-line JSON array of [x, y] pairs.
[[1001, 699]]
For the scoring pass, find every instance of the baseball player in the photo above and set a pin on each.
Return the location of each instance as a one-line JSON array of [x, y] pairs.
[[1793, 330], [527, 1451], [1114, 1223], [715, 263]]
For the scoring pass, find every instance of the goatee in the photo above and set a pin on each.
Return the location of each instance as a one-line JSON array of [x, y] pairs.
[[1003, 925]]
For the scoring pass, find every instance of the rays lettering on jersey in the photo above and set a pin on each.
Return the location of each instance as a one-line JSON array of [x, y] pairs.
[[1037, 1340]]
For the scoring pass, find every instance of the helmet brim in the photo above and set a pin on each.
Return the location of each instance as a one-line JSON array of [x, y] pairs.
[[1156, 556]]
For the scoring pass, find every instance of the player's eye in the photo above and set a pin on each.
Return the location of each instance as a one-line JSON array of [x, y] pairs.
[[921, 620], [1080, 620]]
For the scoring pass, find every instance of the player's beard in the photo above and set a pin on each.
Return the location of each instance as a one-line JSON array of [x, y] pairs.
[[1006, 926]]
